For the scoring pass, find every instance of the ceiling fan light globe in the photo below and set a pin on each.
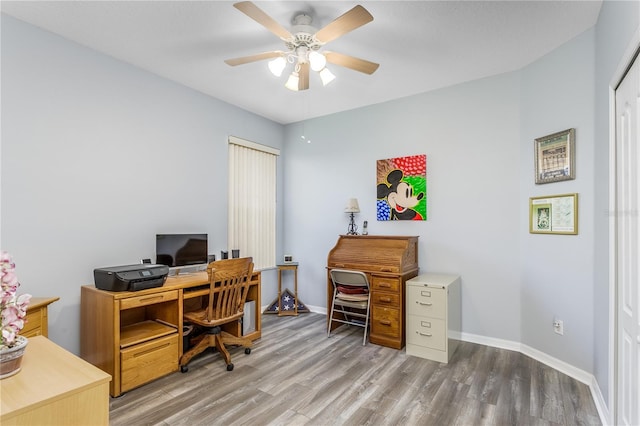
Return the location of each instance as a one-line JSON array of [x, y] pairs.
[[317, 61], [277, 65], [292, 82], [326, 76]]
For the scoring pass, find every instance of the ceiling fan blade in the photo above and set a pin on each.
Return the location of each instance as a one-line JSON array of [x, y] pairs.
[[303, 76], [253, 58], [255, 13], [349, 21], [352, 62]]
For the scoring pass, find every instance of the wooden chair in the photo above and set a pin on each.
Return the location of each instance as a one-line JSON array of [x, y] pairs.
[[229, 285]]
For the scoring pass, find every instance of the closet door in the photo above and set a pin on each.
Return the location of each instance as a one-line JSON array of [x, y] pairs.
[[627, 247]]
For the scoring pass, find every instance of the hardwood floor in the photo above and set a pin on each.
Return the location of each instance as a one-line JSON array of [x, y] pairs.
[[295, 375]]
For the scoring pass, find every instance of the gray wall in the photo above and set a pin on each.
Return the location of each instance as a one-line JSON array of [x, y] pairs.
[[470, 134], [557, 94], [99, 156]]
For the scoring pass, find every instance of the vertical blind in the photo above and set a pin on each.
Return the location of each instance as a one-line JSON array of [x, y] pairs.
[[252, 201]]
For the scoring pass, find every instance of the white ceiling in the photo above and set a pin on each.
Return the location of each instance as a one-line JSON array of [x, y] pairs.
[[420, 45]]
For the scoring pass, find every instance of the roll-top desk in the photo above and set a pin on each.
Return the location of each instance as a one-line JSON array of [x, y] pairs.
[[388, 262]]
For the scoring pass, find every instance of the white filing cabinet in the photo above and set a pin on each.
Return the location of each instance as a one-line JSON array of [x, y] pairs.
[[434, 316]]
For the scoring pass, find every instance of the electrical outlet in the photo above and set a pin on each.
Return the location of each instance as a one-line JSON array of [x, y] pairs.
[[558, 326]]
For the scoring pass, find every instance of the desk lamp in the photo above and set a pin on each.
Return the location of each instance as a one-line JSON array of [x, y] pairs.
[[352, 208]]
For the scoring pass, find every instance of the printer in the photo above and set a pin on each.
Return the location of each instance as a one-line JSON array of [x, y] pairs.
[[130, 277]]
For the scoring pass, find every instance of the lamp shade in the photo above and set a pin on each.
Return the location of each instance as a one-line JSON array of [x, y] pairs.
[[277, 65], [352, 206], [292, 82], [326, 76], [317, 61]]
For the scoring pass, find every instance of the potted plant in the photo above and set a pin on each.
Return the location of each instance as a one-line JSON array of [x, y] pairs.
[[14, 309]]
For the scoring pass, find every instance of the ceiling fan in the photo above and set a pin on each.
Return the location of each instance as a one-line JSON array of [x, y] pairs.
[[304, 43]]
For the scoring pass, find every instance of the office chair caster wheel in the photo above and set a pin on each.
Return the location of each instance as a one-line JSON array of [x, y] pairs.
[[229, 367], [184, 369], [247, 351]]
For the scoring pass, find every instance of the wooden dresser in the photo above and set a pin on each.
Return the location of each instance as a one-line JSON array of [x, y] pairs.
[[388, 262], [37, 319]]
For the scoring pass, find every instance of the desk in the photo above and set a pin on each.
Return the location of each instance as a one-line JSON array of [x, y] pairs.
[[388, 261], [136, 337], [37, 319], [54, 387], [292, 266]]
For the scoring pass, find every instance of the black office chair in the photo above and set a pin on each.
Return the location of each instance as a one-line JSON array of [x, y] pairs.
[[351, 299]]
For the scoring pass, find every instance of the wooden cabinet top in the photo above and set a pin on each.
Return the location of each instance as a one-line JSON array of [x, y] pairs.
[[48, 373], [39, 302], [186, 281], [375, 253]]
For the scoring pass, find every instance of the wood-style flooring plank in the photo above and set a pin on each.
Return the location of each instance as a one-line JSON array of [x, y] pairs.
[[295, 375]]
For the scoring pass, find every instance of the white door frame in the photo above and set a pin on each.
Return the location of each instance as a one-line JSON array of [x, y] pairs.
[[626, 61]]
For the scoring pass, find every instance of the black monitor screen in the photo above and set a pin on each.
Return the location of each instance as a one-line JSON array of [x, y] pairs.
[[181, 249]]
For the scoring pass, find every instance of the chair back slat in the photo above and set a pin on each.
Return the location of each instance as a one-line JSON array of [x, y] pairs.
[[229, 286]]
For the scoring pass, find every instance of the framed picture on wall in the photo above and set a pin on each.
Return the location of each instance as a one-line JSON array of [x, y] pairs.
[[555, 157], [554, 214]]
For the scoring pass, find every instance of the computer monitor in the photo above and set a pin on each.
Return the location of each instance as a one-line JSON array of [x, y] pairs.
[[176, 250]]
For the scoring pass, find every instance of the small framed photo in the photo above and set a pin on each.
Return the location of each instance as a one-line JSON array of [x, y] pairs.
[[288, 258], [555, 157], [555, 214]]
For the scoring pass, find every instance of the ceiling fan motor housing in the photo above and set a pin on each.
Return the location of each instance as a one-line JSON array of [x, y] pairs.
[[303, 34]]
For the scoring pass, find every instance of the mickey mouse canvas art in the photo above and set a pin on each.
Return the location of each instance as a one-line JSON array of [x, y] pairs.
[[402, 188]]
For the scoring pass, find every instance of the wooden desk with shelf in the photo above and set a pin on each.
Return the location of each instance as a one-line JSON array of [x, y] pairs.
[[136, 337]]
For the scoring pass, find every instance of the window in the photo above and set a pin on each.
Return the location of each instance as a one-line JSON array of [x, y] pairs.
[[252, 201]]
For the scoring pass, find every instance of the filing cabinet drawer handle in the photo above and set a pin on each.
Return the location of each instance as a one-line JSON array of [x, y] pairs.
[[425, 334], [425, 293], [424, 304]]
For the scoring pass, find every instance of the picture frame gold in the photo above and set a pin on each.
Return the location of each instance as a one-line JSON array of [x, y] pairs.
[[554, 214], [555, 157]]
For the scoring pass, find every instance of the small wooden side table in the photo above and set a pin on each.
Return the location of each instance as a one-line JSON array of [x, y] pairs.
[[289, 266]]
